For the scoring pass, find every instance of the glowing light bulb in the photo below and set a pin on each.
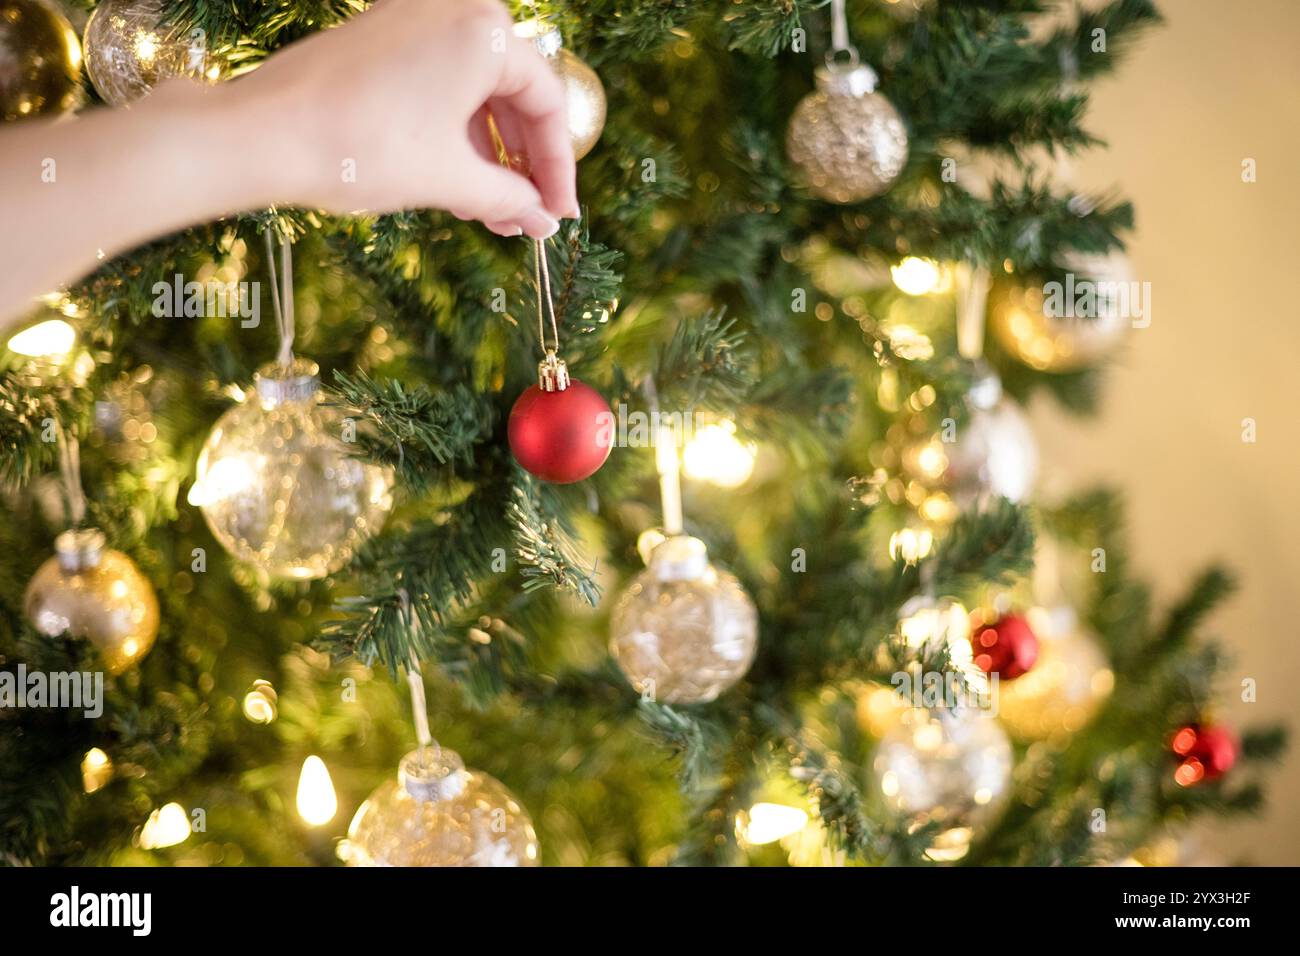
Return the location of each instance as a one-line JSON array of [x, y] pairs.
[[48, 339], [769, 822], [317, 802], [714, 454], [917, 276], [167, 826], [96, 770], [910, 544]]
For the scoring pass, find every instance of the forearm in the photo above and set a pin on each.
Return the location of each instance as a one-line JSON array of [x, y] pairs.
[[93, 187]]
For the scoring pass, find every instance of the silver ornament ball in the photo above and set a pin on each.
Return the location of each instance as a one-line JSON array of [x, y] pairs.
[[848, 142], [683, 631]]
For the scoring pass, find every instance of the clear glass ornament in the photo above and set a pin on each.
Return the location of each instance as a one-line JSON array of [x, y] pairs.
[[90, 591], [848, 142], [1066, 686], [995, 453], [683, 631], [950, 767], [279, 486], [130, 50], [437, 813]]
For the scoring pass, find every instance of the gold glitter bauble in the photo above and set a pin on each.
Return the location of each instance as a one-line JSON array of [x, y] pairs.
[[129, 50], [437, 813], [40, 60], [584, 94], [1064, 689], [1039, 332], [91, 592], [848, 142], [279, 484], [951, 767], [683, 631]]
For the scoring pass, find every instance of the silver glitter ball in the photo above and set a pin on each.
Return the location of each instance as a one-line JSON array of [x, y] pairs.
[[848, 141]]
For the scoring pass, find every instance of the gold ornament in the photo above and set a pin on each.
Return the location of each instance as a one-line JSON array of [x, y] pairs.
[[1064, 689], [1077, 323], [278, 485], [683, 631], [951, 767], [130, 50], [583, 91], [40, 60], [437, 813], [92, 592], [848, 141]]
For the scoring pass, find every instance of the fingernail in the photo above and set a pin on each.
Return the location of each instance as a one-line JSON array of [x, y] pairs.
[[575, 212], [539, 224], [505, 230]]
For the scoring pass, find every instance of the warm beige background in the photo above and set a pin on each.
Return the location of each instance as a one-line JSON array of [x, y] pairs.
[[1218, 83]]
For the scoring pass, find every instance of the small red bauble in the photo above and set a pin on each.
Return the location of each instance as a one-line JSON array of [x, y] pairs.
[[1204, 752], [561, 436], [1006, 647]]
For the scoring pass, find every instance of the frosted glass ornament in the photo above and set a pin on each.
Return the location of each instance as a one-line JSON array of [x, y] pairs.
[[130, 49], [950, 767], [683, 631], [437, 813], [278, 485]]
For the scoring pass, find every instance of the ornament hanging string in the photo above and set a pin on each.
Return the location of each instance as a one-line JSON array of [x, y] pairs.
[[282, 294], [840, 37], [972, 299], [70, 472], [545, 305], [667, 463], [415, 680]]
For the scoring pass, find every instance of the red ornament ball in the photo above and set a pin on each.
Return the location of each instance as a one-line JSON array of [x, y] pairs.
[[1006, 647], [561, 436], [1204, 752]]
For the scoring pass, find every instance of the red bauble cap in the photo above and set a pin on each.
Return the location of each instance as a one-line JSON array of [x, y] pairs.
[[563, 435], [1205, 752], [1006, 647]]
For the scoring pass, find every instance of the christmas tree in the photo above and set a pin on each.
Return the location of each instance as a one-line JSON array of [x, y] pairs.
[[808, 611]]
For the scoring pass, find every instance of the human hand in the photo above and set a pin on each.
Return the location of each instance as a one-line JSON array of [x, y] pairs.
[[389, 111]]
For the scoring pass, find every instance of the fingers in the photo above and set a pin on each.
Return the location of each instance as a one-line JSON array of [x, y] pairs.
[[502, 199], [529, 98]]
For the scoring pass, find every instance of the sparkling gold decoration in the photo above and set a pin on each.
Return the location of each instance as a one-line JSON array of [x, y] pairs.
[[952, 767], [847, 140], [437, 813], [89, 591], [129, 50], [683, 631], [279, 485], [1066, 686], [40, 61], [260, 703], [583, 91]]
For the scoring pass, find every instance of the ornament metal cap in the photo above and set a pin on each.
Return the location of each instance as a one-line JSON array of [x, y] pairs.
[[680, 558], [846, 79], [80, 549], [545, 36], [552, 373], [280, 384], [985, 388], [431, 773]]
